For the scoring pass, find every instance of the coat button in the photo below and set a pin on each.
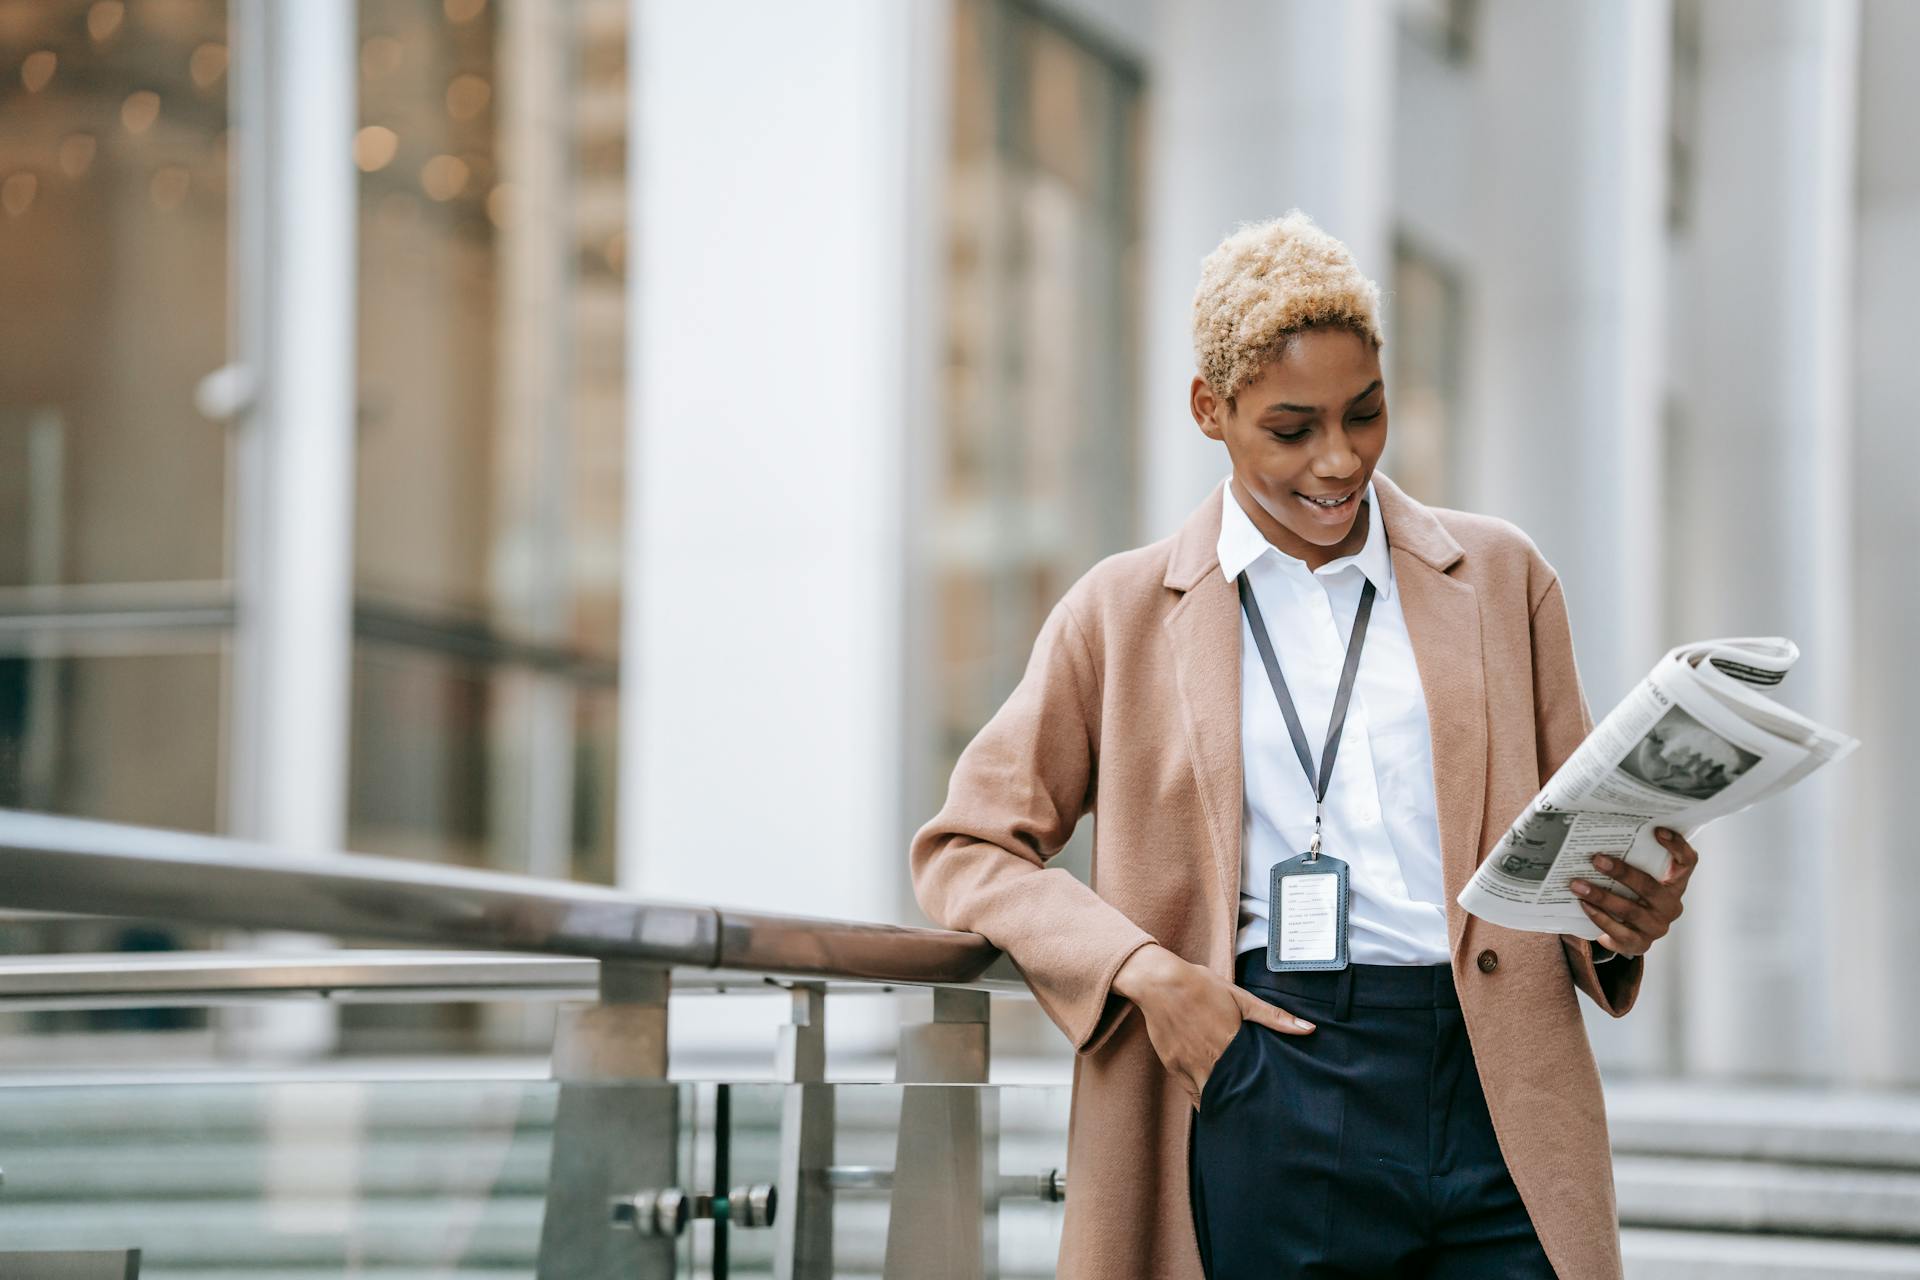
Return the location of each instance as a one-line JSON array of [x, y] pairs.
[[1488, 961]]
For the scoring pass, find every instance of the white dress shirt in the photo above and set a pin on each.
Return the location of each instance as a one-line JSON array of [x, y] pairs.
[[1380, 813]]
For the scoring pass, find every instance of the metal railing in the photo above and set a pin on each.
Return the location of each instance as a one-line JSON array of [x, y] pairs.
[[614, 1204], [194, 979], [69, 864]]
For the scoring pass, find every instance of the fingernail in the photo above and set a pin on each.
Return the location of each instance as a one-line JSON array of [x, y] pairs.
[[1580, 887], [1662, 834], [1303, 1024], [1603, 862]]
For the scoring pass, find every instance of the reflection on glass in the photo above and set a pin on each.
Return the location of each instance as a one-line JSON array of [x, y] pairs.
[[1426, 357], [419, 752], [479, 761], [442, 1178], [450, 1178], [1446, 26], [491, 382], [1039, 460], [113, 246], [595, 780], [491, 147], [126, 736], [988, 1148]]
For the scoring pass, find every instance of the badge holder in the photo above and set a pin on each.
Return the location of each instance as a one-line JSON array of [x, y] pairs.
[[1307, 907]]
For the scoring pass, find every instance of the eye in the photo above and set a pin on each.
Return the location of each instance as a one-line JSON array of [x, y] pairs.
[[1366, 417], [1290, 437]]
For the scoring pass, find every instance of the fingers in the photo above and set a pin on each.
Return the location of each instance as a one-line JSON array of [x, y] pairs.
[[1642, 884], [1616, 935], [1257, 1010], [1650, 915], [1642, 910], [1662, 897], [1685, 856]]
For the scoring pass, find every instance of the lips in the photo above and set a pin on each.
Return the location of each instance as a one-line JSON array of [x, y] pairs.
[[1332, 512]]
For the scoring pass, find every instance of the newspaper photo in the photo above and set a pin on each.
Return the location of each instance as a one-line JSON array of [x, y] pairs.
[[1695, 741]]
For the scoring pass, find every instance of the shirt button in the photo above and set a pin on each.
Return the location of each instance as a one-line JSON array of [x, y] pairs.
[[1488, 961]]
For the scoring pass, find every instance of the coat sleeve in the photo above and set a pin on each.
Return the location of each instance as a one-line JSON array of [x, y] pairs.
[[1562, 722], [1017, 792]]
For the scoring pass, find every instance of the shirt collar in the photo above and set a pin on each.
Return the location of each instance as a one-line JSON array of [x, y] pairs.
[[1241, 543]]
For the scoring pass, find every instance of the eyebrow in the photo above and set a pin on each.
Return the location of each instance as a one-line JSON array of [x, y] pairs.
[[1310, 408]]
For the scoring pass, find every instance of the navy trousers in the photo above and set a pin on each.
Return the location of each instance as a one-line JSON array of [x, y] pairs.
[[1363, 1149]]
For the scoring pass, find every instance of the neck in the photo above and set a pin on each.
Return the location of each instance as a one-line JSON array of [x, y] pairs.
[[1290, 543]]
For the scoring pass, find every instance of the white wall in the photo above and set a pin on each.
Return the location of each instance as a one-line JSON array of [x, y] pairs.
[[770, 410]]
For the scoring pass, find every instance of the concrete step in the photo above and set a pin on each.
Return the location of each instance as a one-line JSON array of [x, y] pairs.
[[1853, 1128], [1756, 1196], [264, 1233], [344, 1166], [1653, 1254]]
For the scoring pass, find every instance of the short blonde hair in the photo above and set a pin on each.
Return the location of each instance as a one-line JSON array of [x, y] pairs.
[[1265, 283]]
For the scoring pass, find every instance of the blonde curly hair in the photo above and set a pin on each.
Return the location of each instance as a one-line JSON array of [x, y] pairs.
[[1265, 283]]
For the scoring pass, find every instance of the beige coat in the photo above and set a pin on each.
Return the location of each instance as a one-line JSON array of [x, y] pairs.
[[1130, 709]]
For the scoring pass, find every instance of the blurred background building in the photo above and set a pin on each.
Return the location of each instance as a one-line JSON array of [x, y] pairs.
[[638, 441]]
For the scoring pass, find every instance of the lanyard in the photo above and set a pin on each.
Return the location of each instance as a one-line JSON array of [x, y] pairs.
[[1338, 720]]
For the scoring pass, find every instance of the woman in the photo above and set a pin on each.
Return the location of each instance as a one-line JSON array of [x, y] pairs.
[[1391, 1088]]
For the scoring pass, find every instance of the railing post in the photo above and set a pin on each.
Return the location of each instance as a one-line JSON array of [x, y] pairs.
[[616, 1132], [803, 1227], [944, 1220]]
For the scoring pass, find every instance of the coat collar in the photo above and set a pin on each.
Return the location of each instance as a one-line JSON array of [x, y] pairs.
[[1443, 621], [1242, 545], [1410, 525]]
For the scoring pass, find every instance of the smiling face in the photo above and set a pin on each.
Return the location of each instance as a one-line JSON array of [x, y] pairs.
[[1305, 435]]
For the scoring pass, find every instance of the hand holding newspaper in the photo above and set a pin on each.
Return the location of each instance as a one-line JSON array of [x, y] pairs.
[[1695, 741]]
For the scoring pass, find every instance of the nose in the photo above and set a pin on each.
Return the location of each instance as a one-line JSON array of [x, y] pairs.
[[1336, 460]]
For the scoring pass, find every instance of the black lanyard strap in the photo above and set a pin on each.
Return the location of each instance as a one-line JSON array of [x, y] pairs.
[[1338, 721]]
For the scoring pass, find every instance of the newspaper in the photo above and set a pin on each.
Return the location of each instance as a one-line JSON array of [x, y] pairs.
[[1695, 741]]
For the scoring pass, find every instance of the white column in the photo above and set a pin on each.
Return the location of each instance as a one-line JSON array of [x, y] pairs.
[[294, 264], [1877, 1036], [293, 522], [1567, 341], [772, 367], [1760, 522], [1293, 107]]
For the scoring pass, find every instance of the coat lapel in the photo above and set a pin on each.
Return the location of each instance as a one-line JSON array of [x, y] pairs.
[[1203, 632], [1443, 622]]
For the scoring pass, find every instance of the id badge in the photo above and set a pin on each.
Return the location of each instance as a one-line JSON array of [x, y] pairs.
[[1307, 915]]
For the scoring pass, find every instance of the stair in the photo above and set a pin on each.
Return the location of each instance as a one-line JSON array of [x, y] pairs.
[[1765, 1183]]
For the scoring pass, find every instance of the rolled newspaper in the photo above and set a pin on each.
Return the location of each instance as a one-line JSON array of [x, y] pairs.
[[1695, 741]]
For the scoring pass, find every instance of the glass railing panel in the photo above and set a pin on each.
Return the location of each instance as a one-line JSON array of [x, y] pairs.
[[405, 1180], [282, 1180], [914, 1171]]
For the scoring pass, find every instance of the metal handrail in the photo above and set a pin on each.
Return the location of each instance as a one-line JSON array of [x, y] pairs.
[[65, 864], [121, 980]]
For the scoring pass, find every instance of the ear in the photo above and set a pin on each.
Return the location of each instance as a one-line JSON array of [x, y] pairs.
[[1209, 411]]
